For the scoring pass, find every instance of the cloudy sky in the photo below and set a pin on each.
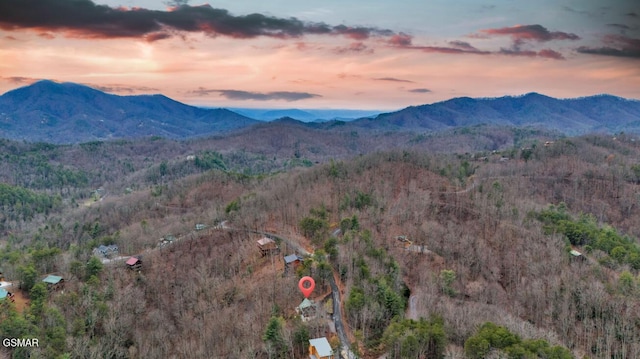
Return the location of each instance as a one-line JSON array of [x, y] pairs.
[[374, 54]]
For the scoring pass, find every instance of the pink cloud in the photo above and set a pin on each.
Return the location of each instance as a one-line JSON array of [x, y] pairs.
[[531, 32], [400, 40]]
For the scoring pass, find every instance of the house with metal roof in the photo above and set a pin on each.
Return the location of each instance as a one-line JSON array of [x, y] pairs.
[[319, 348], [5, 294], [134, 263], [267, 246], [54, 282], [577, 255], [292, 261], [105, 251], [307, 309]]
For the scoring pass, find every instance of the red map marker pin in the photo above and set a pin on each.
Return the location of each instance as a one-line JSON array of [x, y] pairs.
[[306, 285]]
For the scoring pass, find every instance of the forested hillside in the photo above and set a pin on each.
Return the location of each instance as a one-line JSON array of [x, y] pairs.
[[456, 255]]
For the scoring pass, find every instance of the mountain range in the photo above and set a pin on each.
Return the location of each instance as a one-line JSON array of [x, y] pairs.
[[54, 112], [600, 113], [306, 115]]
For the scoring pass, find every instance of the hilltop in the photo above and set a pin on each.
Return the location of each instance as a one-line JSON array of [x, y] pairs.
[[48, 111]]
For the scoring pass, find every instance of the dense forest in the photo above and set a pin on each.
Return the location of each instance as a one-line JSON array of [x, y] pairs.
[[527, 249]]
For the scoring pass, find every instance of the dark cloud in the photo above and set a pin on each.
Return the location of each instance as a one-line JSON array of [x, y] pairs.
[[392, 79], [632, 14], [404, 41], [465, 48], [354, 47], [360, 33], [420, 90], [622, 27], [546, 53], [575, 11], [615, 45], [517, 52], [85, 19], [256, 96], [531, 32], [519, 34], [451, 50], [462, 45]]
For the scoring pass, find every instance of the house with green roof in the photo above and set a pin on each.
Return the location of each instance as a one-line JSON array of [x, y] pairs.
[[5, 294], [307, 309], [54, 282]]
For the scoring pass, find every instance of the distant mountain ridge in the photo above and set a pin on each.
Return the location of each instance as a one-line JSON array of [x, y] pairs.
[[67, 113], [600, 113], [48, 111], [306, 115]]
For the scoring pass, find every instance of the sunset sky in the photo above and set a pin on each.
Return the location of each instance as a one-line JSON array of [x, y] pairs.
[[375, 54]]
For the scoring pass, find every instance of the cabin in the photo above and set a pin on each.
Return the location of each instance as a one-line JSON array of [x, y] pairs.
[[166, 240], [267, 246], [403, 241], [106, 251], [575, 255], [291, 262], [319, 348], [54, 282], [307, 310], [5, 294], [134, 263]]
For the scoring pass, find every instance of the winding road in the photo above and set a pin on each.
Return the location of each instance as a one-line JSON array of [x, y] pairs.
[[346, 352]]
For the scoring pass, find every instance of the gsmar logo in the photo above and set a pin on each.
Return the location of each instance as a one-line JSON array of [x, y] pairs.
[[20, 342]]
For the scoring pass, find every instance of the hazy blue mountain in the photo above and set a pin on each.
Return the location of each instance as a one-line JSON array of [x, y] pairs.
[[306, 115], [602, 113], [68, 113]]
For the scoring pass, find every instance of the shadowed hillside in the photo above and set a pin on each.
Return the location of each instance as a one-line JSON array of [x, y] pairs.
[[602, 113]]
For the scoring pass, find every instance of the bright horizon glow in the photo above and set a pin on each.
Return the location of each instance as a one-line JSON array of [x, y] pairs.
[[341, 55]]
